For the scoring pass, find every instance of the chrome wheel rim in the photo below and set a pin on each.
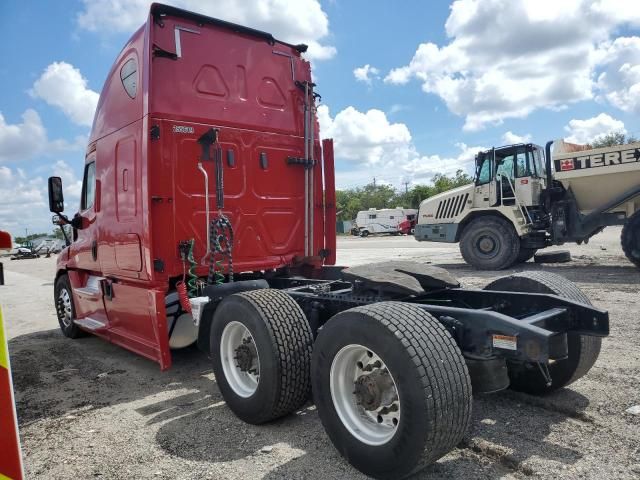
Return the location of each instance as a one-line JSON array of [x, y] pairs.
[[365, 395], [240, 360], [65, 313]]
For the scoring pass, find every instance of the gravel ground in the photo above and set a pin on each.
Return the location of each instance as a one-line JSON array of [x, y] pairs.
[[89, 409]]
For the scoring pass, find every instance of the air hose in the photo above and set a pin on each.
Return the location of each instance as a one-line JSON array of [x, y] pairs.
[[187, 288], [221, 248], [192, 286]]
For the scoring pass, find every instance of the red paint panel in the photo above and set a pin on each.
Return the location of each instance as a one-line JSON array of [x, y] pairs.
[[231, 79], [138, 321], [128, 256], [330, 201]]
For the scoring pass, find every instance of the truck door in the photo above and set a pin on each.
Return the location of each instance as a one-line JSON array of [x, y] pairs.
[[528, 180], [484, 192], [84, 272]]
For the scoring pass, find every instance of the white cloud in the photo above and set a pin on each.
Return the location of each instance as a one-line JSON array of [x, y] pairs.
[[509, 138], [425, 167], [22, 141], [302, 21], [23, 197], [371, 146], [366, 138], [619, 80], [366, 73], [63, 86], [22, 202], [507, 58], [25, 140], [72, 185], [590, 129]]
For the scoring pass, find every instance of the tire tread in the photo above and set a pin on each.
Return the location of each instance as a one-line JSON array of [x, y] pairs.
[[441, 369], [556, 284], [293, 341]]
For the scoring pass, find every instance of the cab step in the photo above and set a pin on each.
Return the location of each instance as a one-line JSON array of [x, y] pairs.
[[93, 324]]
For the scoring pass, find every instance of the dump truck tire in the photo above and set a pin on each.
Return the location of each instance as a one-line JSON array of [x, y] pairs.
[[261, 346], [583, 349], [65, 308], [559, 256], [427, 379], [526, 254], [489, 243], [630, 239]]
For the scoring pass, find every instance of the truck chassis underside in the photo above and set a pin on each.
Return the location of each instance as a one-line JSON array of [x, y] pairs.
[[490, 327]]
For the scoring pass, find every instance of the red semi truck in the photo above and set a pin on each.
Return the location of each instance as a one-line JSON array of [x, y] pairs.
[[207, 215]]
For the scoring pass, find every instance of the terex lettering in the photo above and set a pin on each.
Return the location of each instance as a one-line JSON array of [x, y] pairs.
[[598, 160]]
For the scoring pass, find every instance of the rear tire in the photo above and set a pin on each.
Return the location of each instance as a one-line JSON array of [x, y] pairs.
[[65, 308], [429, 378], [490, 243], [630, 239], [266, 376], [583, 349], [364, 233]]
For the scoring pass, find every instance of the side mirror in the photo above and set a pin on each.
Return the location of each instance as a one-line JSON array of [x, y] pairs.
[[56, 199]]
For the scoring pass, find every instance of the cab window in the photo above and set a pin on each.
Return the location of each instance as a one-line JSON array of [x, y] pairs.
[[129, 77], [88, 186], [505, 166], [522, 169], [538, 161], [484, 171]]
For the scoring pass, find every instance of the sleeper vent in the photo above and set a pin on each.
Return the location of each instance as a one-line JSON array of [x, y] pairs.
[[451, 207]]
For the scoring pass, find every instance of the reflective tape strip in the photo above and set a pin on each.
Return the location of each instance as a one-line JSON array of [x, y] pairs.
[[10, 457]]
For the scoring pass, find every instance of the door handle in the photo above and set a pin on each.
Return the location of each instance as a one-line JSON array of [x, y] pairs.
[[94, 250]]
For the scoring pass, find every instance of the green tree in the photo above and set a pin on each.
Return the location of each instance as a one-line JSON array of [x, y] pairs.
[[351, 201], [612, 139], [21, 240]]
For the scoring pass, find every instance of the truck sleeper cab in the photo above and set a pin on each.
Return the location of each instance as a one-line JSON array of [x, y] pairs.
[[208, 215]]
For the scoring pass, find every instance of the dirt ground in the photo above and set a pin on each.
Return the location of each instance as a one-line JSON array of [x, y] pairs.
[[89, 409]]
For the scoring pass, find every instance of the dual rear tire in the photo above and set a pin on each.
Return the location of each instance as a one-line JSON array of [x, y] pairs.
[[390, 385]]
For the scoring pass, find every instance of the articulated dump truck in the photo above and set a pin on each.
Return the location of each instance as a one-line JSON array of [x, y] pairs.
[[207, 216], [523, 200]]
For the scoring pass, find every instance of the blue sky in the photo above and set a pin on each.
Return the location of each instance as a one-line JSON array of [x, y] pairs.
[[443, 81]]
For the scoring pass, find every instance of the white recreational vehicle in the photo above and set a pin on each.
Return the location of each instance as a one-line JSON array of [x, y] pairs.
[[388, 220]]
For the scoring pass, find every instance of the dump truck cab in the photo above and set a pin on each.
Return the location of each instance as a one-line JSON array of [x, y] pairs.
[[523, 200]]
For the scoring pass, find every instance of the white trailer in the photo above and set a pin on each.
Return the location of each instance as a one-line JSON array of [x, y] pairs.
[[393, 221]]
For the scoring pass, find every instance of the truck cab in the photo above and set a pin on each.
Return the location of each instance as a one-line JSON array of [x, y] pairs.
[[199, 119], [509, 175]]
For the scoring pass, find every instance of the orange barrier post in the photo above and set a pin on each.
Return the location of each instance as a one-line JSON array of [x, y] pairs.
[[10, 456]]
